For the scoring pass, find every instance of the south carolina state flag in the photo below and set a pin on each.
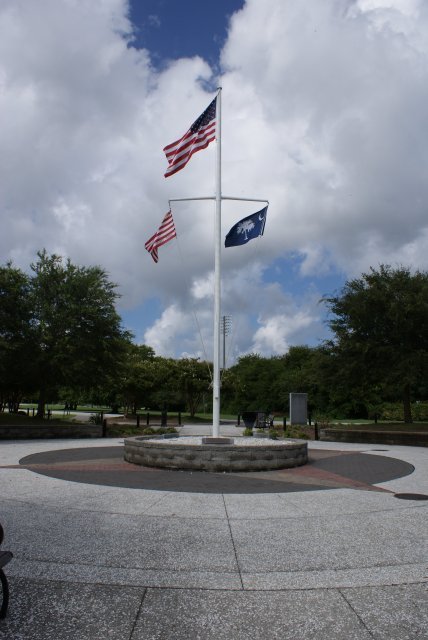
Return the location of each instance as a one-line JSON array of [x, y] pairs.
[[246, 229]]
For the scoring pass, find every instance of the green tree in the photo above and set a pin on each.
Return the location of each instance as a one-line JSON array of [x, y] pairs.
[[193, 379], [78, 335], [249, 385], [16, 337], [138, 379], [165, 394], [380, 327], [299, 372]]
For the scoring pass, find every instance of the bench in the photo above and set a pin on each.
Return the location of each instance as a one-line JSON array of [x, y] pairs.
[[5, 558], [264, 420]]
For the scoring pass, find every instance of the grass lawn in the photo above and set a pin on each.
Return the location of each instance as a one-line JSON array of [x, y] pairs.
[[60, 407], [14, 419], [363, 425], [200, 418]]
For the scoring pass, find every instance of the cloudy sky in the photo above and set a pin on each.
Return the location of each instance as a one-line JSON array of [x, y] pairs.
[[324, 114]]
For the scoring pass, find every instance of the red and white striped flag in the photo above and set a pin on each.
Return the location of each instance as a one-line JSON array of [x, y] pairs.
[[198, 137], [164, 234]]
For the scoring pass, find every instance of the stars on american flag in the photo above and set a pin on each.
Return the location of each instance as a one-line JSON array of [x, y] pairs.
[[199, 136]]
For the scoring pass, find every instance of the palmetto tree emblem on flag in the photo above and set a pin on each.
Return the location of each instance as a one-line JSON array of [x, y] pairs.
[[245, 227]]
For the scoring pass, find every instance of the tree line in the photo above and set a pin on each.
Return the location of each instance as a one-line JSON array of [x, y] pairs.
[[61, 339]]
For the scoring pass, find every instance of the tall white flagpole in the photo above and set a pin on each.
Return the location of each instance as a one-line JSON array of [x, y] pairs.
[[217, 267], [217, 277]]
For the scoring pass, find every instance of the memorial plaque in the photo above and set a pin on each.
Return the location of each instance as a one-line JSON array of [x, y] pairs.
[[298, 408]]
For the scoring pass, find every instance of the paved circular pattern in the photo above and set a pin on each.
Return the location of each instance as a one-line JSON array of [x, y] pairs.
[[325, 470]]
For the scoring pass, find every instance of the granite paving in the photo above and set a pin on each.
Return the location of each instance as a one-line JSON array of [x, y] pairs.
[[328, 553]]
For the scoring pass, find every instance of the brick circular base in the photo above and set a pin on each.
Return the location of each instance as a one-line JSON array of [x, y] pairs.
[[215, 457]]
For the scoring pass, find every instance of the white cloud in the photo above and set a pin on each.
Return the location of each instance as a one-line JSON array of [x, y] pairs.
[[347, 107], [404, 7], [274, 334], [324, 114], [172, 323]]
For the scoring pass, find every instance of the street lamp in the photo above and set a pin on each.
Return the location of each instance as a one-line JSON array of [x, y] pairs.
[[226, 324]]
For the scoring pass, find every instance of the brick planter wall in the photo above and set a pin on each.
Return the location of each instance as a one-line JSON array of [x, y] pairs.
[[411, 438], [209, 457]]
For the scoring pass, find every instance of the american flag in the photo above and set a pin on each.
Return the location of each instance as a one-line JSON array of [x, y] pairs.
[[198, 137], [164, 234]]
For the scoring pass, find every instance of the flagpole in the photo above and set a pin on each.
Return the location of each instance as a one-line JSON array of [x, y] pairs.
[[217, 278], [178, 154]]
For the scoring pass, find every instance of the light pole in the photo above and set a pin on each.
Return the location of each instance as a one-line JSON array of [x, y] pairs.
[[226, 323]]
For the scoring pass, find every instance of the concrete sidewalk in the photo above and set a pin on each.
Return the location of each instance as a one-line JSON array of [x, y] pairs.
[[93, 562]]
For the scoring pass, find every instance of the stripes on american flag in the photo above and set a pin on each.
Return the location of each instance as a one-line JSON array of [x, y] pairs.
[[198, 137], [164, 234]]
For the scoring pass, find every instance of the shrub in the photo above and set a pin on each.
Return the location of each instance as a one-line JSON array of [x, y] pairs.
[[297, 432], [148, 431], [163, 430], [393, 411]]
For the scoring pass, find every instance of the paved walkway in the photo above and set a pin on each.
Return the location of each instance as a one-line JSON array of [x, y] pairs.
[[93, 561]]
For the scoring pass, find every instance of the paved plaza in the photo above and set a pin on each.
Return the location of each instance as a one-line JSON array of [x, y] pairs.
[[103, 549]]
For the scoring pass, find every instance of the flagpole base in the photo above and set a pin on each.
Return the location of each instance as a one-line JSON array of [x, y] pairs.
[[216, 440]]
